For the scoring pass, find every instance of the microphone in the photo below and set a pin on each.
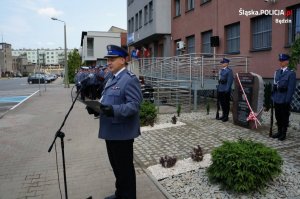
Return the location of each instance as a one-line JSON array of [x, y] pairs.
[[84, 81]]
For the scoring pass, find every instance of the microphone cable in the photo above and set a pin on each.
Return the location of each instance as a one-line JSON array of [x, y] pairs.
[[57, 170]]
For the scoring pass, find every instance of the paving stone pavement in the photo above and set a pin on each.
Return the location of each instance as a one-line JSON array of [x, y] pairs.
[[209, 133], [27, 170]]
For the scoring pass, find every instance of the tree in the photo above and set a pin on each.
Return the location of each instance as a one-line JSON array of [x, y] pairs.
[[74, 63], [295, 54]]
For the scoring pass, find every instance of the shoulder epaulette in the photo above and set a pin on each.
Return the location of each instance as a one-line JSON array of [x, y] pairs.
[[130, 73]]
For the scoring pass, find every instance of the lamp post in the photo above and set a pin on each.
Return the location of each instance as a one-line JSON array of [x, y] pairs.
[[66, 75]]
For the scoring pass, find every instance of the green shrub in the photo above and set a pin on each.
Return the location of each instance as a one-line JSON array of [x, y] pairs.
[[148, 113], [294, 52], [244, 166]]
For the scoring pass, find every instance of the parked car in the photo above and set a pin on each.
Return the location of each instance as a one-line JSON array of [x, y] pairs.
[[37, 78], [18, 74]]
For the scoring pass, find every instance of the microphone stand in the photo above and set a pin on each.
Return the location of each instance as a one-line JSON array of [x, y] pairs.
[[61, 135]]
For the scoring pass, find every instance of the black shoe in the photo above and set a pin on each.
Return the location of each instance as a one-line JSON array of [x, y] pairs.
[[283, 134], [282, 137], [276, 135], [279, 132], [111, 197], [225, 119], [220, 118]]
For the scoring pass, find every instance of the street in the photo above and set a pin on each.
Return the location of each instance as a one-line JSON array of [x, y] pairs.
[[15, 90]]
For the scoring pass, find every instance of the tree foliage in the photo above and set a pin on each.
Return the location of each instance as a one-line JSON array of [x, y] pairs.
[[295, 54], [74, 63]]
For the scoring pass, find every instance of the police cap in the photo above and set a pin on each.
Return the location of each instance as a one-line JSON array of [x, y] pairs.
[[283, 57], [224, 60], [115, 51]]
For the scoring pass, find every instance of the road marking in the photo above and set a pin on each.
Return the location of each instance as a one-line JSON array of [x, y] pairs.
[[23, 100], [12, 99]]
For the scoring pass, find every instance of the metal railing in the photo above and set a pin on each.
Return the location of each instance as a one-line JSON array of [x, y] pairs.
[[193, 72]]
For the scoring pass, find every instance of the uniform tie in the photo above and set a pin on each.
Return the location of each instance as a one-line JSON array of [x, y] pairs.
[[281, 71]]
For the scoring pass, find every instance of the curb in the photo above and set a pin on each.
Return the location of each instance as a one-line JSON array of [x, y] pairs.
[[152, 178]]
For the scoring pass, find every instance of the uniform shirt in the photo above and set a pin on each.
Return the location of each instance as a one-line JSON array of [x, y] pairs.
[[225, 79], [284, 86], [124, 94]]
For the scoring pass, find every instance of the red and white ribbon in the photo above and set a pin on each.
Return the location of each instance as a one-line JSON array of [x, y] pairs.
[[252, 116]]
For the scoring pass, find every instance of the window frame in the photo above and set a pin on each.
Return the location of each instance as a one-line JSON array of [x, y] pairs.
[[140, 19], [190, 5], [177, 8], [262, 32], [294, 25], [206, 44], [90, 49], [145, 14], [188, 42], [233, 37], [150, 11]]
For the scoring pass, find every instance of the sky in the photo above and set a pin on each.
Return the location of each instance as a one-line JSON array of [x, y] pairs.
[[28, 24]]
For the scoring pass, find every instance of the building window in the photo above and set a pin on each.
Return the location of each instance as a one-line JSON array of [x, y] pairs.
[[190, 44], [190, 4], [140, 19], [204, 1], [261, 32], [233, 38], [129, 26], [90, 47], [150, 11], [206, 46], [177, 8], [145, 15], [294, 26], [136, 21], [132, 24]]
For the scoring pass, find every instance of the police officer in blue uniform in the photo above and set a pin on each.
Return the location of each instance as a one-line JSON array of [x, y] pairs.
[[283, 89], [119, 121], [224, 88]]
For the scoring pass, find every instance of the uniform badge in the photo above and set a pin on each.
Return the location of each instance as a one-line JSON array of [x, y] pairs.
[[115, 88]]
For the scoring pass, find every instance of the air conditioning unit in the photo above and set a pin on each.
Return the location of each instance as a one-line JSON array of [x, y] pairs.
[[180, 45]]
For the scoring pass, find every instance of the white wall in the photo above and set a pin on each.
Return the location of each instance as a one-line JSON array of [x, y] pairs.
[[101, 40]]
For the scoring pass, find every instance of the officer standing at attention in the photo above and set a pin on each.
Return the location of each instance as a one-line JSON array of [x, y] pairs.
[[283, 90], [119, 121], [224, 88]]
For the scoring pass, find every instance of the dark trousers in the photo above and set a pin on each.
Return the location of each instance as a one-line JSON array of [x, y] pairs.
[[120, 154], [224, 99], [282, 114]]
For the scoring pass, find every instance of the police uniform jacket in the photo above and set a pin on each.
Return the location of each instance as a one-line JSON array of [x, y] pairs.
[[225, 80], [81, 76], [284, 86], [124, 94]]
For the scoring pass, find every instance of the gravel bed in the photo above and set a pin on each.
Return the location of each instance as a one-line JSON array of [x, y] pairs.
[[195, 184], [190, 184], [181, 166]]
